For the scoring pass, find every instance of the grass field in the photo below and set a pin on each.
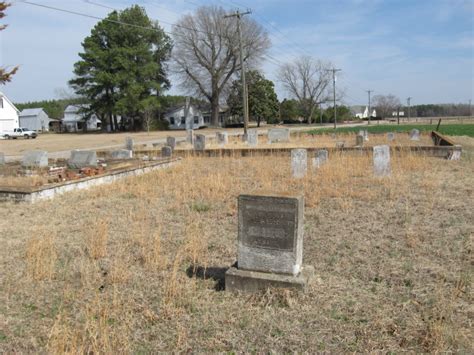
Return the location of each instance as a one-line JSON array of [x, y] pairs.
[[448, 129], [120, 268]]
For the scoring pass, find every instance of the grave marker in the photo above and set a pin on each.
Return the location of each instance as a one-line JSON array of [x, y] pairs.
[[252, 137], [199, 142], [390, 136], [171, 142], [359, 140], [278, 135], [121, 154], [299, 163], [82, 159], [456, 153], [382, 160], [35, 159], [415, 134], [270, 244], [129, 143], [320, 159], [166, 151], [222, 138]]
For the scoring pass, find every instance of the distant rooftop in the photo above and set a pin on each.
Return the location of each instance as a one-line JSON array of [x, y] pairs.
[[30, 112]]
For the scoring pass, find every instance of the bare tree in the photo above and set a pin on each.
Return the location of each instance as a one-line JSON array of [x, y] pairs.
[[206, 51], [5, 76], [385, 104], [307, 80]]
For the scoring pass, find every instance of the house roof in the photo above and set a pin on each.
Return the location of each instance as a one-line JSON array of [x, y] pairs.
[[31, 112], [2, 95], [75, 108]]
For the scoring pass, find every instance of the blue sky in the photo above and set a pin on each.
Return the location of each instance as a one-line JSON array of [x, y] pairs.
[[419, 48]]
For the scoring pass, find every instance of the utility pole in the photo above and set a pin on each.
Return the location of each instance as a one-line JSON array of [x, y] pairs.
[[369, 114], [321, 113], [334, 70], [245, 106], [408, 104], [470, 109]]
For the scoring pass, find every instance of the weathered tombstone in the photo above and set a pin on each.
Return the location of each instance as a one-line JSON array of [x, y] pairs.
[[278, 135], [2, 159], [299, 163], [199, 142], [415, 134], [270, 244], [129, 143], [82, 158], [320, 159], [456, 153], [382, 160], [35, 159], [166, 151], [252, 137], [340, 144], [390, 136], [359, 140], [171, 142], [121, 154], [366, 135], [222, 138], [190, 136]]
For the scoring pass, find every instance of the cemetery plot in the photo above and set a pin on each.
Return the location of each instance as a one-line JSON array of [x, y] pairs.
[[137, 266]]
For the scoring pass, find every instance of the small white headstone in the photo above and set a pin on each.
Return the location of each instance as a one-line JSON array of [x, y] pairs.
[[456, 153], [252, 137], [299, 163], [366, 135], [35, 159], [320, 159], [382, 160], [222, 138], [415, 134], [390, 136]]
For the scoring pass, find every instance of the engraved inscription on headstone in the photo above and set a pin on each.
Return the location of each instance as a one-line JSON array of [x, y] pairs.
[[270, 233], [299, 163], [171, 142], [199, 142], [129, 143], [166, 151], [252, 137], [278, 135], [382, 160], [82, 158], [35, 159]]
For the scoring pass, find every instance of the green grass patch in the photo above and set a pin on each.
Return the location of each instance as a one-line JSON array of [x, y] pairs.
[[447, 129]]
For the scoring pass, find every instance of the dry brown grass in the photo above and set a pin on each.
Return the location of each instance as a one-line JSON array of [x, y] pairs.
[[138, 263]]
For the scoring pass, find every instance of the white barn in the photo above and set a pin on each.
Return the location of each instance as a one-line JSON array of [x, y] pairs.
[[176, 117], [8, 114], [74, 120], [35, 119]]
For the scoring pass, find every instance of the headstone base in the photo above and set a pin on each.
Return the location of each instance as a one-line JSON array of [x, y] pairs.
[[253, 281]]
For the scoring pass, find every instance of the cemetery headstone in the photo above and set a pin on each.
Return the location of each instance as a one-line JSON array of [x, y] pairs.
[[366, 135], [222, 138], [252, 137], [390, 136], [270, 244], [129, 143], [35, 159], [2, 158], [278, 135], [456, 153], [166, 151], [122, 154], [340, 144], [382, 160], [171, 142], [320, 159], [299, 163], [82, 159], [415, 134], [190, 136], [199, 142], [359, 140]]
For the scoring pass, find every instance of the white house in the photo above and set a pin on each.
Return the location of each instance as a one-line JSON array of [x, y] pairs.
[[8, 114], [73, 120], [35, 119], [176, 117], [365, 114]]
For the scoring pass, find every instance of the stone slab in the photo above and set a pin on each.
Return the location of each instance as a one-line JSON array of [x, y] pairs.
[[415, 134], [199, 142], [254, 281], [454, 155], [359, 140], [82, 159], [129, 143], [222, 138], [390, 136], [278, 135], [382, 160], [171, 142], [270, 233], [299, 163], [35, 159], [166, 151], [121, 154], [252, 137]]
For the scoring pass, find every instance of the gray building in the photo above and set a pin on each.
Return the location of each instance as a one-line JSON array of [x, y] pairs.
[[35, 119]]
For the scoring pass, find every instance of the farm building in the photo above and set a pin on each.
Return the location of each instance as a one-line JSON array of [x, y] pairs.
[[8, 114], [176, 117], [35, 119], [74, 120]]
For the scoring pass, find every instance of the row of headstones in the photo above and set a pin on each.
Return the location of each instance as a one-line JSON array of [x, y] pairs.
[[299, 161]]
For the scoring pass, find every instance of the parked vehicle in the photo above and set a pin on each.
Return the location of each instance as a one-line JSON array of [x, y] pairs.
[[19, 133]]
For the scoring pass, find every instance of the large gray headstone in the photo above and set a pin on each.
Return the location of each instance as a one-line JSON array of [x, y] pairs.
[[129, 143], [278, 135], [415, 134], [252, 137], [35, 159], [82, 158], [122, 154], [270, 233], [382, 160], [190, 136], [299, 163], [199, 142], [166, 151], [2, 158], [222, 138], [359, 140], [171, 142], [390, 136]]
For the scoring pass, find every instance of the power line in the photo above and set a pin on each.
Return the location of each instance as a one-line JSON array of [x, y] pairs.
[[334, 70]]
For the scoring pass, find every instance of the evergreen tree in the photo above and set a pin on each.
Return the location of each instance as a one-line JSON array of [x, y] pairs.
[[122, 69]]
